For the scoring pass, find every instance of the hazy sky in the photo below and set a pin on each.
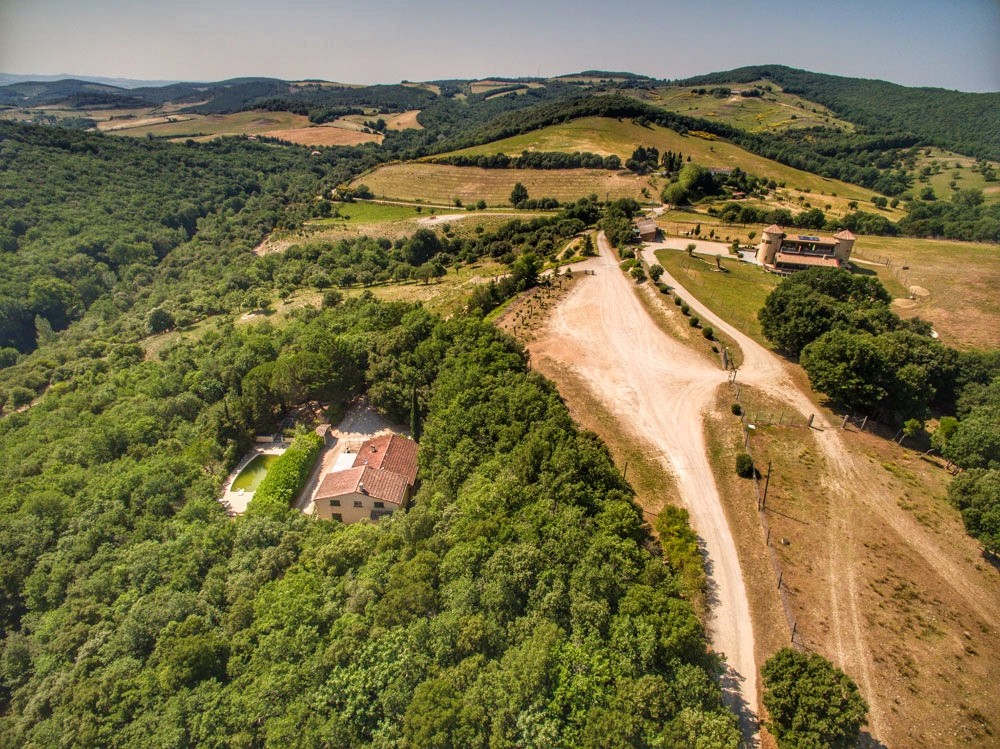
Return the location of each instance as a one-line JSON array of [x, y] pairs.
[[948, 43]]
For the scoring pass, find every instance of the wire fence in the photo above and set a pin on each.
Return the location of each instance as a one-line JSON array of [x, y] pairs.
[[749, 420]]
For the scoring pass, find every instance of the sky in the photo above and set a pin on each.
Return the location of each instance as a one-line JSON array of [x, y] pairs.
[[952, 44]]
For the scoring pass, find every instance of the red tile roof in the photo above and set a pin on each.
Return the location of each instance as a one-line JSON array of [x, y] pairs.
[[844, 234], [796, 259], [774, 229], [380, 484], [390, 452]]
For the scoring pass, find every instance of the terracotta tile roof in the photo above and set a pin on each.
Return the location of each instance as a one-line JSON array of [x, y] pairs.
[[390, 452], [380, 484], [844, 234], [646, 224], [774, 229], [337, 483], [795, 259]]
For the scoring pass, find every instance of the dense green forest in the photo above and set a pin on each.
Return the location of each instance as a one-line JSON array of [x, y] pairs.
[[86, 218], [519, 602]]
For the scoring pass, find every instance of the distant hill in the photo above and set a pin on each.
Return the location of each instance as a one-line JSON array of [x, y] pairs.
[[968, 123], [7, 78], [75, 92]]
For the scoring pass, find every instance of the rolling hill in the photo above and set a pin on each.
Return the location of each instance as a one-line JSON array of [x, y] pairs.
[[605, 135], [968, 123]]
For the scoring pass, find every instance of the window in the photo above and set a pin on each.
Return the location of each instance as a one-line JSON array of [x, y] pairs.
[[379, 505], [337, 516], [334, 503], [358, 503]]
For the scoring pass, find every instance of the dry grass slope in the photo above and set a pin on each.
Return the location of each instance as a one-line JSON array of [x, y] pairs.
[[440, 183]]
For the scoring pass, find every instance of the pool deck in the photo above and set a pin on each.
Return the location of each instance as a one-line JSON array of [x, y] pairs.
[[236, 502]]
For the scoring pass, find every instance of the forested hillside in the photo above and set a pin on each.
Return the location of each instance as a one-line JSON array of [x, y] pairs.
[[517, 603], [87, 217], [964, 122]]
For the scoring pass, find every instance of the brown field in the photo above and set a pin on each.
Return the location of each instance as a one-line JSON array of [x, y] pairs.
[[432, 87], [441, 183], [254, 122], [933, 651], [324, 135], [485, 86], [876, 570], [403, 120]]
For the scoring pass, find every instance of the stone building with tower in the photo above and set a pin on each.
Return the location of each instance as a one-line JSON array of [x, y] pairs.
[[784, 253]]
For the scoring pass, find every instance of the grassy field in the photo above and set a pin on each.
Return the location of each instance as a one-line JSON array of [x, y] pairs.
[[441, 183], [295, 128], [388, 221], [367, 213], [608, 136], [253, 122], [953, 285], [444, 296], [775, 110], [962, 279], [735, 295], [948, 167]]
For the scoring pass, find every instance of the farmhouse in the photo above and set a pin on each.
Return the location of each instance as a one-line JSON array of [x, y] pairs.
[[646, 228], [786, 253], [379, 481]]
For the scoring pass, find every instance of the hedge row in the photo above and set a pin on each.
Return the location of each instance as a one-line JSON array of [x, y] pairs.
[[286, 476]]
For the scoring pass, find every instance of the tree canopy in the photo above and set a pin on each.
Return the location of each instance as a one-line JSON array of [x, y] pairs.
[[812, 704]]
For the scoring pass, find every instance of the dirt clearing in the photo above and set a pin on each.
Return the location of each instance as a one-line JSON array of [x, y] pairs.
[[662, 389], [880, 576]]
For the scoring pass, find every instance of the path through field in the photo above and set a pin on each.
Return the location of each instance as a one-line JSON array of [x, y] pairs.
[[855, 489], [663, 389]]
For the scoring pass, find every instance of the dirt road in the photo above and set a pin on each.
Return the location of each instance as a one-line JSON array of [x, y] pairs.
[[662, 388], [856, 489]]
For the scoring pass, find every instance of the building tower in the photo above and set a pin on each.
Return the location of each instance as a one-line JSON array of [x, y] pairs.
[[770, 243]]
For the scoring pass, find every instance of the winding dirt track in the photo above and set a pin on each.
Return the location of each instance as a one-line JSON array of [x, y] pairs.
[[663, 389], [852, 486]]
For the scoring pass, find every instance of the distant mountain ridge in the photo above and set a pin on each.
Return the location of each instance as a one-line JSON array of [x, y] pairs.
[[7, 78]]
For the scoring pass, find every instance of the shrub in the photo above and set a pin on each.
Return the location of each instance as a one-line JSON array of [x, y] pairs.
[[20, 396], [638, 274], [708, 332], [744, 466], [678, 301], [694, 321], [286, 476], [685, 309], [811, 702], [737, 409]]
